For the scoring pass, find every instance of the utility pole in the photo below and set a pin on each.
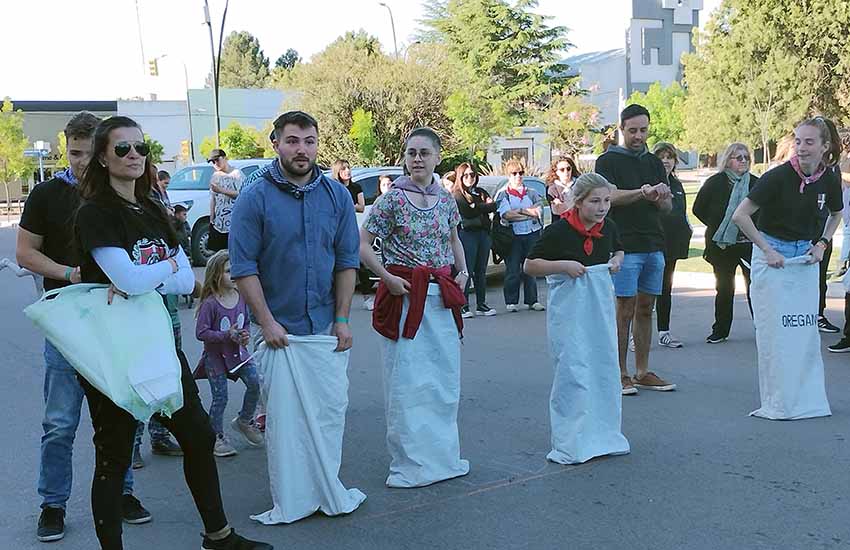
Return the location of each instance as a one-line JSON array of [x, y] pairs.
[[141, 42], [216, 61], [392, 24]]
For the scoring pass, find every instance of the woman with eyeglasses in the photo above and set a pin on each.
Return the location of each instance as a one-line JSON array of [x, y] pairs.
[[127, 240], [341, 172], [789, 199], [559, 180], [475, 206], [520, 208], [726, 247], [225, 185], [677, 240]]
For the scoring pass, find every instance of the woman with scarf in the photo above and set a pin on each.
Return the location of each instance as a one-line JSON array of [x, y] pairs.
[[418, 313], [475, 207], [559, 179], [577, 253], [726, 246], [788, 199], [520, 208]]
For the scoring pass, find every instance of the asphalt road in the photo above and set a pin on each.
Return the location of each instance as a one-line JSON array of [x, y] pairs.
[[701, 474]]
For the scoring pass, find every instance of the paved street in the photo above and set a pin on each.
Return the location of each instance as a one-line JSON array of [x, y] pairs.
[[701, 475]]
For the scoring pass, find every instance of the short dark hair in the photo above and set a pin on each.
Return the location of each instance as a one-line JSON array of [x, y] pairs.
[[163, 175], [180, 208], [81, 125], [298, 118], [424, 131], [632, 111]]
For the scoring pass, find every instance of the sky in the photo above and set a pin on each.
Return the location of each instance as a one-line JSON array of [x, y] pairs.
[[91, 49]]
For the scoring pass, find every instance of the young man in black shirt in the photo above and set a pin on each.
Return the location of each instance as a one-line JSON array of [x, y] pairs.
[[44, 246], [642, 194]]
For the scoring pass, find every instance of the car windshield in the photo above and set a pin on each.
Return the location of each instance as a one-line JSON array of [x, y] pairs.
[[191, 178]]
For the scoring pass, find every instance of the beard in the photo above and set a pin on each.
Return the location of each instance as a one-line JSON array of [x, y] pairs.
[[290, 167]]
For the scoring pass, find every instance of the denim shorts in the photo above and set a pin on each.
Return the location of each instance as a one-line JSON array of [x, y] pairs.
[[641, 272]]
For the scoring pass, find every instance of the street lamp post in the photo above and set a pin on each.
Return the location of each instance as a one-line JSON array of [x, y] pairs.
[[392, 24], [216, 61]]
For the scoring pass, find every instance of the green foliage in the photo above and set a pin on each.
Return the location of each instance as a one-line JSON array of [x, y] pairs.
[[567, 122], [363, 134], [13, 164], [760, 66], [62, 145], [243, 63], [666, 108], [287, 60], [156, 149], [239, 142]]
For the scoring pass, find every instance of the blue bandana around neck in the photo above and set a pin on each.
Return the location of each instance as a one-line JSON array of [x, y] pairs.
[[275, 175], [67, 176]]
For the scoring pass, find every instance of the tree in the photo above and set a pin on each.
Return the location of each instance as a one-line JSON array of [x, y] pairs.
[[156, 148], [239, 142], [666, 109], [243, 63], [287, 60], [363, 134], [567, 122], [62, 145], [13, 164]]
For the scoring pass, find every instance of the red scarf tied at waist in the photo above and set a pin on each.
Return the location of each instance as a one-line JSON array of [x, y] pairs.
[[594, 232], [387, 314]]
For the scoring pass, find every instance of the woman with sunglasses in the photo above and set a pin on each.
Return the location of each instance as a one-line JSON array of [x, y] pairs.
[[475, 206], [225, 185], [521, 208], [127, 241], [789, 199], [559, 179], [726, 247]]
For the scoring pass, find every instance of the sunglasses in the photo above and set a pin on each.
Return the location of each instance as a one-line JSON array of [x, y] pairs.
[[565, 169], [469, 175], [122, 148], [213, 161], [520, 173], [742, 158]]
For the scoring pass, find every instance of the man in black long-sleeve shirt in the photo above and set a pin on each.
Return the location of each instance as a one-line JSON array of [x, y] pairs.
[[642, 193]]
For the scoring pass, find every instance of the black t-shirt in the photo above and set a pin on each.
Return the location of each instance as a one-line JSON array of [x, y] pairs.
[[787, 214], [49, 212], [639, 223], [354, 189], [560, 241], [136, 229]]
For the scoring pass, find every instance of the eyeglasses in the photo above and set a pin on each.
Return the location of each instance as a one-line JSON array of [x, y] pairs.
[[424, 154], [122, 148], [520, 173], [742, 158]]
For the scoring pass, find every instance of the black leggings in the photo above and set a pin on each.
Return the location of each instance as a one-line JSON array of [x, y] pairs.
[[824, 266], [665, 301], [114, 431]]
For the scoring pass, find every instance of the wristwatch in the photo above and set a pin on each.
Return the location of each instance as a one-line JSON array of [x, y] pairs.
[[824, 241]]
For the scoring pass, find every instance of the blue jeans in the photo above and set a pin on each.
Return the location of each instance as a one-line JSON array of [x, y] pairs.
[[63, 398], [788, 249], [514, 275], [218, 388], [476, 249], [641, 272]]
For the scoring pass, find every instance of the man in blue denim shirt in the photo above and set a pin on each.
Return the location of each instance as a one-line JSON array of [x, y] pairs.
[[294, 242]]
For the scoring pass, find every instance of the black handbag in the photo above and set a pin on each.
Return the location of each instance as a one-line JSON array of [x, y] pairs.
[[502, 237]]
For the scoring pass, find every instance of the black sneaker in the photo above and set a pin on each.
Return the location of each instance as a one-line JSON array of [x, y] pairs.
[[132, 510], [138, 461], [234, 542], [465, 313], [166, 447], [715, 339], [825, 326], [51, 524], [843, 346], [485, 310]]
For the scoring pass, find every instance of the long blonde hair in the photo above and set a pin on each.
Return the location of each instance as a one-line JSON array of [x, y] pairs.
[[212, 277]]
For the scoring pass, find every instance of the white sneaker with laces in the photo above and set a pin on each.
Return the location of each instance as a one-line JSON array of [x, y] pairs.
[[223, 447], [666, 340]]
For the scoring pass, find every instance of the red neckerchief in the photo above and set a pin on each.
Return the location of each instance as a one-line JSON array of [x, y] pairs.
[[518, 194], [594, 232], [804, 179]]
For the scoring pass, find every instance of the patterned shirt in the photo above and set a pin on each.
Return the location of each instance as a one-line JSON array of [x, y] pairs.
[[413, 236], [231, 181]]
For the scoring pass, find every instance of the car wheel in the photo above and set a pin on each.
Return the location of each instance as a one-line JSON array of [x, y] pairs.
[[200, 237]]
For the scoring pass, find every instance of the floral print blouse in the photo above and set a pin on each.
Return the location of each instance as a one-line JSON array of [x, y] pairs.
[[413, 236]]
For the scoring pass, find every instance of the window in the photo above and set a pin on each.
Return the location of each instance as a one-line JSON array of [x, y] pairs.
[[519, 153], [192, 178], [370, 188]]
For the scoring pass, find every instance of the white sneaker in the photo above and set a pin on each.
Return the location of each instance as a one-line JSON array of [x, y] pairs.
[[666, 340], [513, 308], [249, 431], [537, 306], [369, 303], [631, 343], [223, 447]]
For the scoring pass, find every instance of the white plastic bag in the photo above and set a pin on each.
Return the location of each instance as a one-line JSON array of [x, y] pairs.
[[585, 406], [125, 350], [421, 397], [785, 311], [306, 389]]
